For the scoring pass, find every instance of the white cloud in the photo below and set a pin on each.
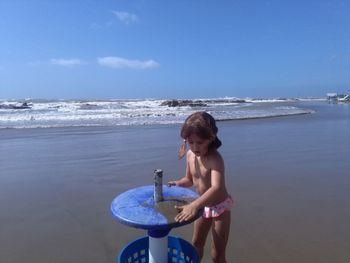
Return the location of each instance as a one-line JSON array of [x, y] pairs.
[[66, 62], [118, 63], [125, 17]]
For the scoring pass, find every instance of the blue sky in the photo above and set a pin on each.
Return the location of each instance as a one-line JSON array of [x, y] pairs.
[[173, 49]]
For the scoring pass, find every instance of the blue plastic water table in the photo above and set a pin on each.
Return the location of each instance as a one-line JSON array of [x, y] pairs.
[[137, 208]]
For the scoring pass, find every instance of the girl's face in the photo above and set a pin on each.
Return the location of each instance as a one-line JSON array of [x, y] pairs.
[[198, 145]]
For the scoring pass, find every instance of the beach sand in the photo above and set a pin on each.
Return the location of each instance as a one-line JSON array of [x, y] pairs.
[[289, 177]]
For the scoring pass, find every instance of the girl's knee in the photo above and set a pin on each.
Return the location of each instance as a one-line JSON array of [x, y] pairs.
[[198, 243]]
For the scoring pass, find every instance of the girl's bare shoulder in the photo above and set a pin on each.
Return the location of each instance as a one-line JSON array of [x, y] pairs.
[[215, 155], [216, 160]]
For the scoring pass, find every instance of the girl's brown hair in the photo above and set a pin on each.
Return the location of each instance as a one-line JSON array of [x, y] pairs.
[[203, 125]]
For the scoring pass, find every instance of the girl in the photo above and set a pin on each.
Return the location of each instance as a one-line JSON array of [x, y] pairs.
[[205, 171]]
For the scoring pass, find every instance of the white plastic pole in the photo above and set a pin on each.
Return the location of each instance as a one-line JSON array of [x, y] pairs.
[[158, 249]]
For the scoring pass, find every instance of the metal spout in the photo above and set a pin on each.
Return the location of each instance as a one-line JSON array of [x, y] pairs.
[[158, 185]]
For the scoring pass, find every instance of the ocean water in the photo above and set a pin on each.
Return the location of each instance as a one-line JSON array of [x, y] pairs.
[[70, 113]]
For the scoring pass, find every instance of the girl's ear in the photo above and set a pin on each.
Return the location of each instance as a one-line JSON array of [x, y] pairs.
[[183, 150]]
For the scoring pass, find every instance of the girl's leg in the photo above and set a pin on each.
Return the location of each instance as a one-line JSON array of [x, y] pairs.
[[200, 233], [220, 233]]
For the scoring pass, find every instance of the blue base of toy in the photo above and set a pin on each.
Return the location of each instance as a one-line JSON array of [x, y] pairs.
[[179, 251]]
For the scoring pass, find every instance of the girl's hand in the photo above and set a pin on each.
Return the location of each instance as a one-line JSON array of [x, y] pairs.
[[172, 183], [186, 212]]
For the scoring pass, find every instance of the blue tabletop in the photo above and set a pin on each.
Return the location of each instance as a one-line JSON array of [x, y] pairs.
[[137, 208]]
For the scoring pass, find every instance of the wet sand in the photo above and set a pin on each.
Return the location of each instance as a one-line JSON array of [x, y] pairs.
[[289, 176]]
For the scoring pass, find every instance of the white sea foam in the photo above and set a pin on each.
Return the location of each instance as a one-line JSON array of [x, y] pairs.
[[66, 113]]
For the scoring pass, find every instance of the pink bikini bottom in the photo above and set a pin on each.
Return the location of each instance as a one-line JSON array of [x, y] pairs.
[[216, 210]]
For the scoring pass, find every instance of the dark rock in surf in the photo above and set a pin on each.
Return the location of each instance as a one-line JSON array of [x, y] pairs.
[[24, 105], [182, 103], [198, 103]]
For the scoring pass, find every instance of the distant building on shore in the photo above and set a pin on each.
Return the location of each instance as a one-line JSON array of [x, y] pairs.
[[335, 97]]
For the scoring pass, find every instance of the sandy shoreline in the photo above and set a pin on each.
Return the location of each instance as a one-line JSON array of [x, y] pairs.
[[289, 178]]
